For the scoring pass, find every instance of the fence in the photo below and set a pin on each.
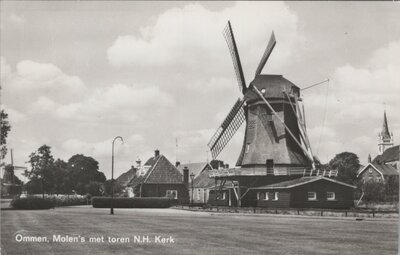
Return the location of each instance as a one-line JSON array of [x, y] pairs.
[[358, 213]]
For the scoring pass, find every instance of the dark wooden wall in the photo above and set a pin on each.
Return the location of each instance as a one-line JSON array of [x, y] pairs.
[[344, 196], [160, 190], [282, 202]]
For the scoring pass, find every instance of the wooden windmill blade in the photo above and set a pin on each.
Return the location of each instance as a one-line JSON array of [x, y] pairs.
[[230, 40], [267, 53], [228, 128]]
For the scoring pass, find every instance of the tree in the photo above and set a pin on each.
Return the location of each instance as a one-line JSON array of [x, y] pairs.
[[83, 170], [5, 128], [94, 188], [117, 187], [42, 168], [373, 191], [347, 165], [62, 180], [392, 189]]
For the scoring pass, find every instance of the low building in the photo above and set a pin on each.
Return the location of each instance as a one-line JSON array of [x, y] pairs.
[[305, 192], [201, 181], [158, 177]]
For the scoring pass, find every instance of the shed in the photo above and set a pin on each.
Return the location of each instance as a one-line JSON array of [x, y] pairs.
[[305, 192]]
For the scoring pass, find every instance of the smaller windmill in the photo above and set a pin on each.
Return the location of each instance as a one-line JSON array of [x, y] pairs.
[[9, 174], [275, 135]]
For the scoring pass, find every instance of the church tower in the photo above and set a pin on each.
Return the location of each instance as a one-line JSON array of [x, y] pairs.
[[385, 139]]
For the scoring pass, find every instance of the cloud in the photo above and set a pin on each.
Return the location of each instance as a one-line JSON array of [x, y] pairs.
[[31, 80], [14, 116], [355, 103], [118, 103], [191, 36]]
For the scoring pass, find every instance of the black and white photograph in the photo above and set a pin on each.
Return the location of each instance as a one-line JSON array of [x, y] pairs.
[[199, 127]]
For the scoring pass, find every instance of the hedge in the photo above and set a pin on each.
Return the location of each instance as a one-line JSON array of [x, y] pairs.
[[31, 203], [139, 202]]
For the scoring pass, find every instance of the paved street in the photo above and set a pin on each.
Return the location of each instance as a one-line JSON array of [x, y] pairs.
[[185, 232]]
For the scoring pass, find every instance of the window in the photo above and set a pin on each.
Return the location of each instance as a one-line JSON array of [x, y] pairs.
[[276, 196], [311, 196], [270, 164], [198, 194], [370, 171], [258, 195], [266, 196], [378, 179], [172, 194], [330, 196]]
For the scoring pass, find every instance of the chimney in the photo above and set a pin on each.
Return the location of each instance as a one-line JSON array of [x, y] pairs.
[[186, 176], [177, 163], [156, 153], [134, 170], [369, 158]]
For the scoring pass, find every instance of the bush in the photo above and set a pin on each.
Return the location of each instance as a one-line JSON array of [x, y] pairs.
[[65, 200], [139, 202], [31, 203]]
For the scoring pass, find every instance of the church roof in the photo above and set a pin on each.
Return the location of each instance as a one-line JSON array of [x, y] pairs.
[[389, 155], [383, 169], [161, 171], [385, 128]]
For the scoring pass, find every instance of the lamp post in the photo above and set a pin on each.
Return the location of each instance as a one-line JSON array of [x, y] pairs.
[[112, 173], [192, 178]]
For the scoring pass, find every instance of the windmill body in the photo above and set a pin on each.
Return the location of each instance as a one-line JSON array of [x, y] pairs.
[[266, 138]]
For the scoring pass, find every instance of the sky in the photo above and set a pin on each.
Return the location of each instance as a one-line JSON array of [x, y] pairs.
[[74, 75]]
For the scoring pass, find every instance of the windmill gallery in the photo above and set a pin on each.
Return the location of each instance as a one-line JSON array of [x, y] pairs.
[[276, 165]]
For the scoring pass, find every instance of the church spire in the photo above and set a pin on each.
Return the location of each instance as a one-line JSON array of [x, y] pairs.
[[385, 138], [385, 128]]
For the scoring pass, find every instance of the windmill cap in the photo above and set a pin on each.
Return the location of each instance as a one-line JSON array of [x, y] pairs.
[[273, 86]]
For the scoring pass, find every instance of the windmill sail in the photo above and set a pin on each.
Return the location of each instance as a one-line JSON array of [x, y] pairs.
[[267, 53], [227, 129], [230, 40]]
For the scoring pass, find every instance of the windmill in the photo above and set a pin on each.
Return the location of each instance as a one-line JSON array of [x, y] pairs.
[[275, 140], [9, 174]]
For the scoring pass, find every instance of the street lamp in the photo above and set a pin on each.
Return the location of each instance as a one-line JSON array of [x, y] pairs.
[[112, 173], [192, 178]]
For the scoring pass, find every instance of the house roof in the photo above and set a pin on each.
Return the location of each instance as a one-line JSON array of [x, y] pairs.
[[161, 171], [300, 181], [389, 155], [383, 169], [126, 177], [195, 168], [203, 180]]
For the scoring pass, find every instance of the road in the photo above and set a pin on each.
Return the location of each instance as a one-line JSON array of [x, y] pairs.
[[190, 232]]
